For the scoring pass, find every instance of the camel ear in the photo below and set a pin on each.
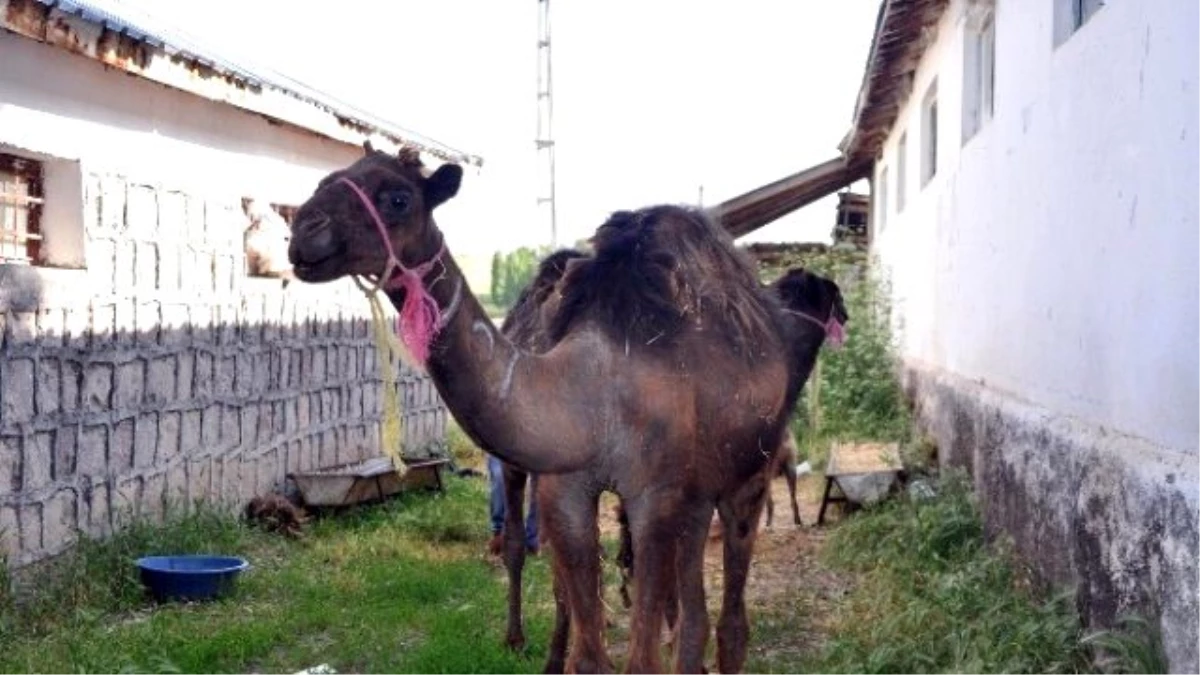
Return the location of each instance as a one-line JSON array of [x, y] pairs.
[[443, 184], [839, 305]]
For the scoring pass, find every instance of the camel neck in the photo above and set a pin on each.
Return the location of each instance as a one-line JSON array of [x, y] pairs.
[[497, 392]]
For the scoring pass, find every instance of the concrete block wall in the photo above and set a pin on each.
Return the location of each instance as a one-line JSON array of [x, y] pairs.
[[161, 374]]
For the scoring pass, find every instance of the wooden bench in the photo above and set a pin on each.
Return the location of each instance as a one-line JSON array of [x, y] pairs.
[[850, 461]]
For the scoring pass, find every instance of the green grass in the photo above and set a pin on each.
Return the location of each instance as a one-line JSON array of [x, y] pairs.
[[403, 587], [930, 596], [399, 587]]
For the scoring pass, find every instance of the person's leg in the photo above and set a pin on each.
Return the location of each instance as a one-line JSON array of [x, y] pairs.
[[496, 501], [531, 522]]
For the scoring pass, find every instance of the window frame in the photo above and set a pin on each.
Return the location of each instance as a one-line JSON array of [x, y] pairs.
[[881, 206], [979, 76], [929, 134], [1072, 15], [17, 246]]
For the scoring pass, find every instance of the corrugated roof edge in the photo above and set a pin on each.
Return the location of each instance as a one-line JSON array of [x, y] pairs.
[[903, 31], [349, 124]]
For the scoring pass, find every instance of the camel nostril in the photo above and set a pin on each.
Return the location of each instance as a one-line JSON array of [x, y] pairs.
[[311, 225], [312, 241]]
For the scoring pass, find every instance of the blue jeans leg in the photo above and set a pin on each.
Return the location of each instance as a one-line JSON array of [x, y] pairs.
[[531, 523], [496, 500]]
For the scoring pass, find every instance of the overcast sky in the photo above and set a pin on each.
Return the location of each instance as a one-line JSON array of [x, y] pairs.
[[652, 98]]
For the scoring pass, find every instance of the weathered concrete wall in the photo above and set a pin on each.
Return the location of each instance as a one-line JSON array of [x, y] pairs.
[[1045, 277], [1107, 514], [162, 373]]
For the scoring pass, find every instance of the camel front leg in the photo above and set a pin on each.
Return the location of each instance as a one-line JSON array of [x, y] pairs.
[[739, 515], [568, 507], [556, 653], [514, 551]]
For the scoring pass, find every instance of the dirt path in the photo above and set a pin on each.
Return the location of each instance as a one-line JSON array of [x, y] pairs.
[[790, 594]]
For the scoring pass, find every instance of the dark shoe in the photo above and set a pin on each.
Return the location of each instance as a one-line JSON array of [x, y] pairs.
[[532, 549], [496, 544]]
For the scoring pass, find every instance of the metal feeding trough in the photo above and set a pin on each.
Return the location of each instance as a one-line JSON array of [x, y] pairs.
[[371, 480], [859, 473]]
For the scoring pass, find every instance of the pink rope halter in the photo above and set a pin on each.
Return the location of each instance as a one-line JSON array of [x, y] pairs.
[[834, 331], [419, 319]]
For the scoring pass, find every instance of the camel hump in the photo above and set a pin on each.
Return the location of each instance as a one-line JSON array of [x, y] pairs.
[[523, 323], [659, 270]]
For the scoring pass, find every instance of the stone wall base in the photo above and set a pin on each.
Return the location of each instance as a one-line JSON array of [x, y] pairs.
[[1110, 515]]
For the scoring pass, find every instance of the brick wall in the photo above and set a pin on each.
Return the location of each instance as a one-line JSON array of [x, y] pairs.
[[162, 374]]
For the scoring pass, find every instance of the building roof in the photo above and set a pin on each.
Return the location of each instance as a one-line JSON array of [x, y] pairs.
[[904, 29], [749, 211], [123, 38]]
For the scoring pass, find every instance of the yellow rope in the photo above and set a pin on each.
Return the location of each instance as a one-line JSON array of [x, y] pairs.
[[387, 352]]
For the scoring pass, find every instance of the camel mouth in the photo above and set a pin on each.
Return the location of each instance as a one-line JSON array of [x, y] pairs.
[[317, 271]]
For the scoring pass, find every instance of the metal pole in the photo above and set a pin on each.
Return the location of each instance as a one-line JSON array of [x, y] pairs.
[[545, 126]]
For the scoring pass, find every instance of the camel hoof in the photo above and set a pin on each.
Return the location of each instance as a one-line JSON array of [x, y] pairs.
[[515, 642]]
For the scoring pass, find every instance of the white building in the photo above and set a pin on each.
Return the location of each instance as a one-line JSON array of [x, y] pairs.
[[1034, 172], [140, 362]]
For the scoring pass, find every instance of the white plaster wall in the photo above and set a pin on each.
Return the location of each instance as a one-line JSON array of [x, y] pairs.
[[1054, 256], [69, 107]]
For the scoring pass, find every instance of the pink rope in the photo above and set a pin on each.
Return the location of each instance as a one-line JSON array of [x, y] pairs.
[[835, 333], [418, 320]]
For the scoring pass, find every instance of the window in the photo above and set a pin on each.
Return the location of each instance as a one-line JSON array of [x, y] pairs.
[[979, 76], [901, 171], [20, 209], [286, 211], [929, 134], [1070, 15], [881, 204]]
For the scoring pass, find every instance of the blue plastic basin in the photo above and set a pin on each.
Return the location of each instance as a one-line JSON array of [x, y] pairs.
[[190, 577]]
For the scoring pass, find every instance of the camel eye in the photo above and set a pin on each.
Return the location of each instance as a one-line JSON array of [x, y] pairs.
[[396, 202]]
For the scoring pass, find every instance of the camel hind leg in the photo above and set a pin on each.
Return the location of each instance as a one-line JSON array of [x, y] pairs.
[[739, 515], [790, 452], [688, 613]]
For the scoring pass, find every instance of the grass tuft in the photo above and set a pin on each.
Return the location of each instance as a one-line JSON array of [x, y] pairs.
[[931, 596], [98, 576], [394, 587], [1132, 646]]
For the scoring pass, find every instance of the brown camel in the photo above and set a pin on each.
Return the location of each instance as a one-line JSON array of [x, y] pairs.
[[815, 307], [816, 315], [667, 381]]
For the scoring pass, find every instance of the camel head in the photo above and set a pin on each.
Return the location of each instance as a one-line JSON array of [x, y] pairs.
[[335, 233], [811, 294]]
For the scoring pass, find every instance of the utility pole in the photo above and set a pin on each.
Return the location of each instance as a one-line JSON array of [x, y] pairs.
[[545, 133]]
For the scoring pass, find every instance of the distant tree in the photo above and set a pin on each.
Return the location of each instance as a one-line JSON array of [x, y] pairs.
[[497, 269]]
